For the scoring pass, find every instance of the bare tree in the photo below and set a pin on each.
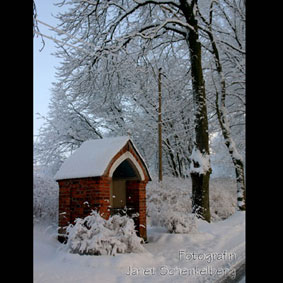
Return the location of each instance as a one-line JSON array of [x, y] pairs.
[[220, 87], [103, 29]]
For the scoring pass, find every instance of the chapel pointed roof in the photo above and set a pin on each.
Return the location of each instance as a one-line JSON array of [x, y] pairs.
[[93, 157]]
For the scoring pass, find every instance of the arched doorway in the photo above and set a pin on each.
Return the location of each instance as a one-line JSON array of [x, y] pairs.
[[119, 198]]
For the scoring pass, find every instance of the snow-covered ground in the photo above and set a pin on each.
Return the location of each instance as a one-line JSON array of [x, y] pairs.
[[204, 256]]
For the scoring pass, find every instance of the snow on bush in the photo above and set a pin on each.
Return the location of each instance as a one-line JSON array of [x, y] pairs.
[[94, 235], [169, 204], [177, 222], [223, 198], [45, 197]]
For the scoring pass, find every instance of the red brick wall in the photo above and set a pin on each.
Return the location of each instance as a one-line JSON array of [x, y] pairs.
[[74, 193], [136, 198]]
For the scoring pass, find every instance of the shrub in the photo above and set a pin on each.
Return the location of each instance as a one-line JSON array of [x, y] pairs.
[[178, 222], [170, 205], [45, 198], [93, 235], [223, 198]]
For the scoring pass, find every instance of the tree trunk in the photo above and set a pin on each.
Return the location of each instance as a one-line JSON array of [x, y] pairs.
[[225, 128], [171, 161], [160, 174], [200, 172], [200, 195], [236, 157]]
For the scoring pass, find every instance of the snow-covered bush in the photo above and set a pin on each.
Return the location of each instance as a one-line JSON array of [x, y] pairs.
[[45, 197], [177, 222], [223, 198], [93, 235], [169, 204]]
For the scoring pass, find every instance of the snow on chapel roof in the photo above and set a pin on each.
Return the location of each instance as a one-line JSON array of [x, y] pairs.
[[91, 158]]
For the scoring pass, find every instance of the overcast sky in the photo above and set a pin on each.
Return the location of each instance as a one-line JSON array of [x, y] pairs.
[[43, 62]]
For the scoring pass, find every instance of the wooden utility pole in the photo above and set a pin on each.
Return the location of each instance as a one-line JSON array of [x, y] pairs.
[[159, 126]]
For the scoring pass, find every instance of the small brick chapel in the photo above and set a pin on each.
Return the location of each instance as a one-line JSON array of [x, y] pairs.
[[105, 175]]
